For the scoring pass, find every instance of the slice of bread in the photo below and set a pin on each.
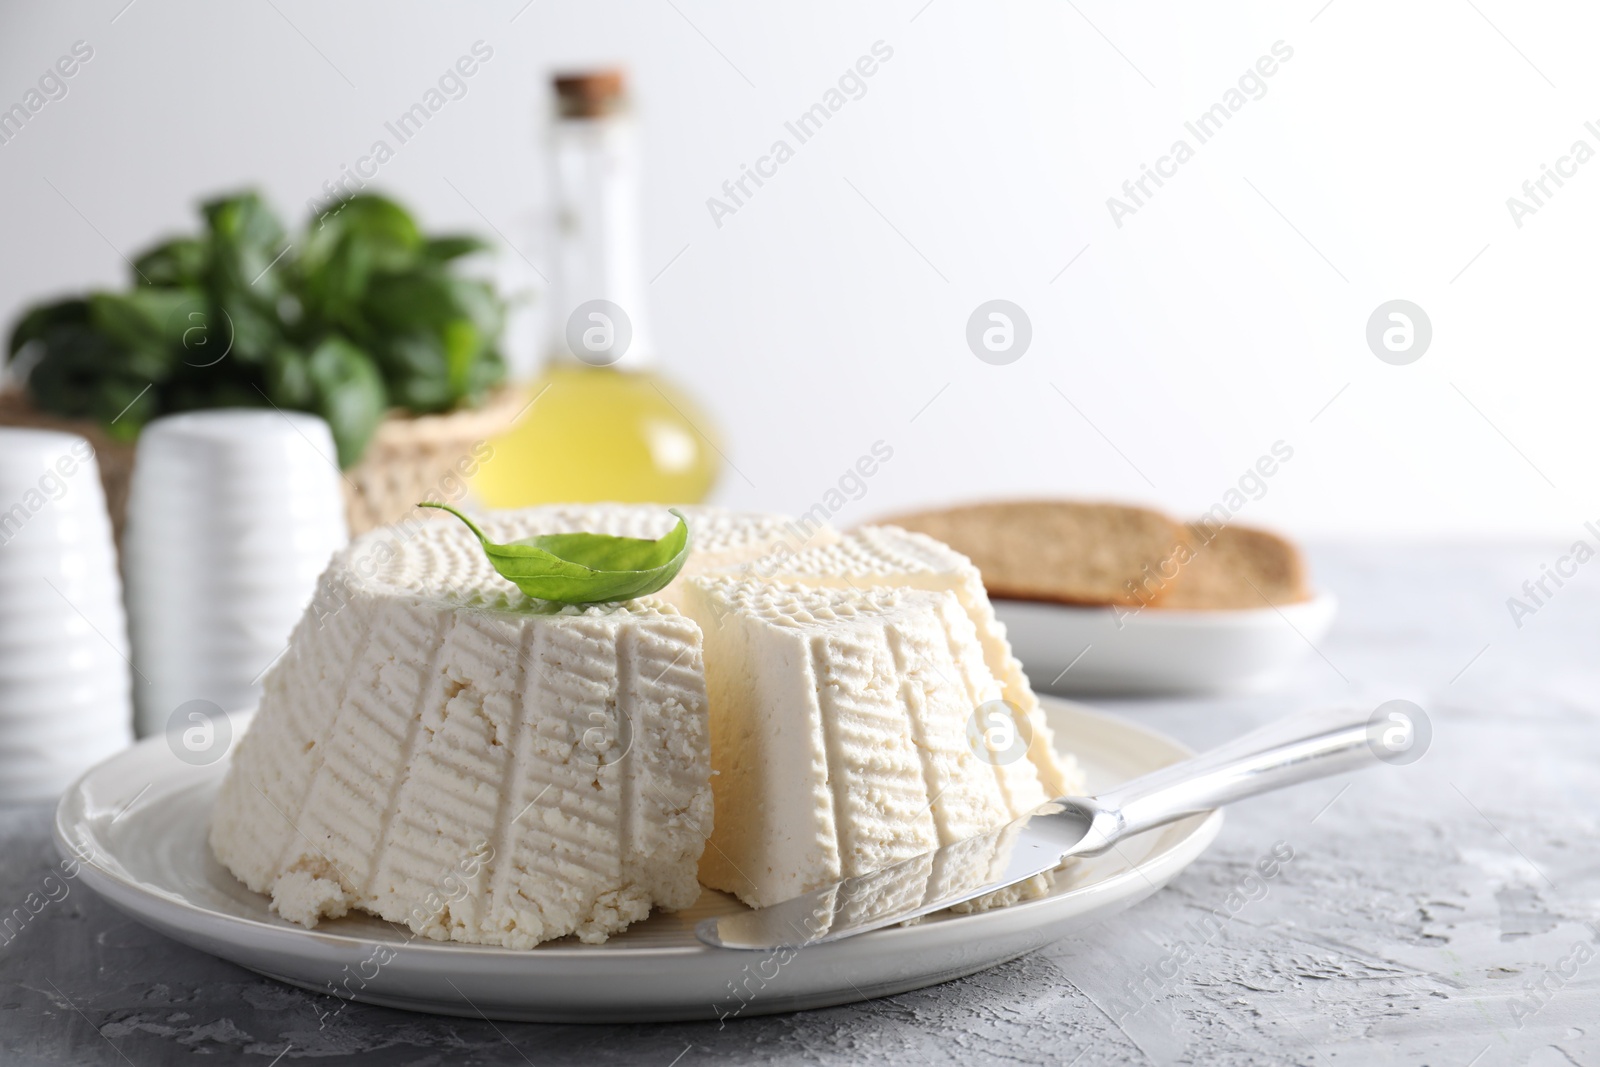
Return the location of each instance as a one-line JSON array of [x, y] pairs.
[[1236, 567], [1060, 551]]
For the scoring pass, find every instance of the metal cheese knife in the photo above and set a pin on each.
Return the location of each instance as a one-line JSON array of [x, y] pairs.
[[1292, 750]]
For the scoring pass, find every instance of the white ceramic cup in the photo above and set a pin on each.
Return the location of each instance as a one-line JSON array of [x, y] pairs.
[[64, 669], [232, 515]]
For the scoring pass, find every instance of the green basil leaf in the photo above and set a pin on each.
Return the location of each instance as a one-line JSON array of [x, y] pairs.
[[289, 383], [249, 269], [245, 220], [238, 325], [84, 374], [145, 320], [179, 262], [488, 371], [40, 320], [429, 299], [357, 236], [247, 249], [350, 395], [461, 346], [585, 568], [453, 246], [414, 366]]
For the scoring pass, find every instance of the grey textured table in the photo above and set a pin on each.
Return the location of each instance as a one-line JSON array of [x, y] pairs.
[[1445, 913]]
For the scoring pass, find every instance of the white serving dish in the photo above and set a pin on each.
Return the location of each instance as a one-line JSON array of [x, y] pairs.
[[1154, 651], [141, 819]]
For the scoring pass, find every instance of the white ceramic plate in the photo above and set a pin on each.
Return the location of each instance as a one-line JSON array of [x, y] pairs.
[[1100, 650], [150, 858]]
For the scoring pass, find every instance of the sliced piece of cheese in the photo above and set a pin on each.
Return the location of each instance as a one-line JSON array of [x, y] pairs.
[[887, 556], [842, 732]]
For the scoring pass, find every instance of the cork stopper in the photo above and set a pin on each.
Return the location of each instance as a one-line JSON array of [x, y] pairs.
[[590, 94]]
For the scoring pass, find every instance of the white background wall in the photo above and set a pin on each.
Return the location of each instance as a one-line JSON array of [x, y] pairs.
[[1227, 314]]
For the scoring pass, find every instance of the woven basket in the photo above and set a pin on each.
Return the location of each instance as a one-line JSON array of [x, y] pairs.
[[410, 458], [423, 457]]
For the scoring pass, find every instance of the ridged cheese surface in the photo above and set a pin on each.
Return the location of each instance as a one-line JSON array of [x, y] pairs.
[[841, 732], [887, 556], [438, 750]]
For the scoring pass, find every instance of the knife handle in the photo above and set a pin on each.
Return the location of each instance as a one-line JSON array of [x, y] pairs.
[[1294, 749]]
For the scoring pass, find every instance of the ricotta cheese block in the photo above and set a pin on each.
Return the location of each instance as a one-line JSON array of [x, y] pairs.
[[441, 751], [887, 556], [438, 750], [845, 727]]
